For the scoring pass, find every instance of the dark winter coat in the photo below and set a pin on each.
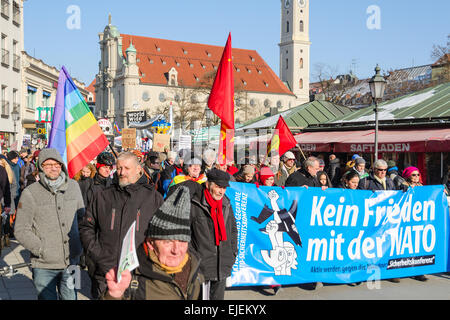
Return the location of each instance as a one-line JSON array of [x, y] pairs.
[[370, 183], [109, 216], [90, 186], [5, 190], [216, 261], [334, 171], [301, 178]]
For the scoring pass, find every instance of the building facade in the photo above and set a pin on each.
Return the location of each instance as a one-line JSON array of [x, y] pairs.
[[11, 46], [148, 74]]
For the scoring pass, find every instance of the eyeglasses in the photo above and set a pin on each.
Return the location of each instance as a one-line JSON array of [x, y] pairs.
[[52, 165], [380, 169], [415, 175]]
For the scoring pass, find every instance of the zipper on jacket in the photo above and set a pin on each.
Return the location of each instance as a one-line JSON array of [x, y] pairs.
[[113, 216], [137, 219]]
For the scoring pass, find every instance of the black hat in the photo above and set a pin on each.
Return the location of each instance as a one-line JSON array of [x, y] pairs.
[[219, 177], [106, 158], [12, 155]]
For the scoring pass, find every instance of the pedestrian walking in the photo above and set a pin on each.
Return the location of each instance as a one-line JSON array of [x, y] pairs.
[[47, 226], [246, 174], [111, 213], [286, 168], [377, 180], [214, 232], [167, 269], [307, 176]]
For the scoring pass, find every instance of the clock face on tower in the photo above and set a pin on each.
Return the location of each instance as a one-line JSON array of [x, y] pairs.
[[287, 3], [301, 3]]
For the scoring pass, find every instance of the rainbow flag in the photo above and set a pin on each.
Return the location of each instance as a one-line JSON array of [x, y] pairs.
[[75, 132], [116, 127]]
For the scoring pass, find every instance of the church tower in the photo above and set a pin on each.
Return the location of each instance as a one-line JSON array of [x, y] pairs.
[[295, 47]]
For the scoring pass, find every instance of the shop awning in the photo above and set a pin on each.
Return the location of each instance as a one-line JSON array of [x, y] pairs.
[[362, 141]]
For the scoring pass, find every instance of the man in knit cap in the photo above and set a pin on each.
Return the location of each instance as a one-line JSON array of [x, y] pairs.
[[167, 269]]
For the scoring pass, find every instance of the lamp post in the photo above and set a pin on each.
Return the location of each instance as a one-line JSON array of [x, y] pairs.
[[377, 85]]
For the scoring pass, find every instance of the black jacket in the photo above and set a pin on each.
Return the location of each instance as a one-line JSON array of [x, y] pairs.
[[301, 178], [109, 216], [5, 191], [334, 171], [216, 261], [370, 183], [90, 186]]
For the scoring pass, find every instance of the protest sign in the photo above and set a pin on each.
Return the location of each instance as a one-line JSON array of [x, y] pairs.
[[298, 235], [129, 138], [160, 141], [128, 258]]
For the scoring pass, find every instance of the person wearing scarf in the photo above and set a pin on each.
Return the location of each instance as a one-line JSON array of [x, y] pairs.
[[167, 270], [214, 231]]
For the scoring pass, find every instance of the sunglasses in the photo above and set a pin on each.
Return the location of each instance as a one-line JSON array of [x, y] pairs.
[[415, 175], [380, 169]]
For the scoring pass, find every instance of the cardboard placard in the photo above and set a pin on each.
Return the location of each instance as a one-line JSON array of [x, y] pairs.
[[160, 141], [129, 138]]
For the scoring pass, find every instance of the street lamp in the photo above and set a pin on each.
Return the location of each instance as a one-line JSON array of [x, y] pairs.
[[15, 117], [377, 85]]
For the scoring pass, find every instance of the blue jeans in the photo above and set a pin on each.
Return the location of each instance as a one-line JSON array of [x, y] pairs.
[[54, 284]]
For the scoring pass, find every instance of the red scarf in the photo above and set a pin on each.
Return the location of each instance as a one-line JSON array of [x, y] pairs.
[[217, 216]]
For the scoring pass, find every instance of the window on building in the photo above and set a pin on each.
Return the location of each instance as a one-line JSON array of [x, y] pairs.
[[5, 9], [5, 51], [287, 26], [16, 13], [287, 63], [46, 98], [31, 97], [4, 102], [16, 104], [301, 84], [301, 63], [301, 26]]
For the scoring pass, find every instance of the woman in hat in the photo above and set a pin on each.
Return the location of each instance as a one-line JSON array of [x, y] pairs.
[[412, 177]]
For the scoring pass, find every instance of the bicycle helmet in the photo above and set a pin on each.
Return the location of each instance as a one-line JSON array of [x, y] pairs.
[[106, 158]]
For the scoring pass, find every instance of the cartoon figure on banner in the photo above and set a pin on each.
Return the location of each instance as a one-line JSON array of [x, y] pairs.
[[283, 256]]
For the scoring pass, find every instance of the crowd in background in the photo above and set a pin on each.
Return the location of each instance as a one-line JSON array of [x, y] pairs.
[[167, 194]]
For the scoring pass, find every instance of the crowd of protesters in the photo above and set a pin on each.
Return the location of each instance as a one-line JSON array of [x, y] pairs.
[[185, 228]]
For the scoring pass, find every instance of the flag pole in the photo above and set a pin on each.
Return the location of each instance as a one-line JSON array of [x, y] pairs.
[[298, 146]]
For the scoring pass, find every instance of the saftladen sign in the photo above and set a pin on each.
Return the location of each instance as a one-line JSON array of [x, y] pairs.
[[382, 147]]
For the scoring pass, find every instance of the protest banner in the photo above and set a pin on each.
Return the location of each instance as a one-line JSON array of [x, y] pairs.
[[128, 138], [298, 235], [160, 141]]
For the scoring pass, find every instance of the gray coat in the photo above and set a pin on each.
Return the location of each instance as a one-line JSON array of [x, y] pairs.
[[47, 223]]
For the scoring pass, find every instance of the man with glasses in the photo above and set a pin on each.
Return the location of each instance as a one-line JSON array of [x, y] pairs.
[[47, 225], [377, 180]]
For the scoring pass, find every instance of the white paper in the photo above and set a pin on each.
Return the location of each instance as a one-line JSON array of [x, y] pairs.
[[128, 258]]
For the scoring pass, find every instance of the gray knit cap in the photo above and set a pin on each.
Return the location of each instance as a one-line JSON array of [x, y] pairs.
[[172, 220]]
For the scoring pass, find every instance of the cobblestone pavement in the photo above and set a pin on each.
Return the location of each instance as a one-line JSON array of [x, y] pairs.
[[20, 286]]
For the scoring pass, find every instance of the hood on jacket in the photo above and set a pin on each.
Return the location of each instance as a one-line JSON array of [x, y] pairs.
[[51, 153]]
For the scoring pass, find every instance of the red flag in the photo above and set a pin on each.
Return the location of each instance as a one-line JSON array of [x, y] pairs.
[[282, 140], [221, 102]]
